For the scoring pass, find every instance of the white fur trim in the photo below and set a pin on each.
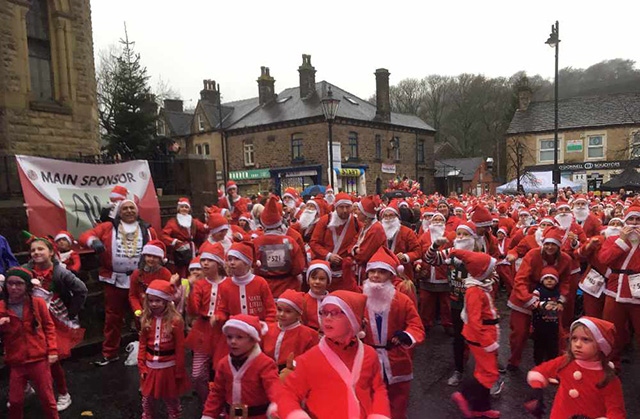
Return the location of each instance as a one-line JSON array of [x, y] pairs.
[[550, 240], [63, 236], [272, 410], [368, 214], [289, 302], [489, 270], [195, 265], [152, 250], [219, 228], [114, 195], [315, 266], [381, 265], [468, 229], [159, 294], [343, 202], [239, 255], [493, 347], [346, 309], [622, 244], [484, 223], [245, 327], [297, 414], [603, 344], [211, 256], [631, 214], [393, 210], [535, 376]]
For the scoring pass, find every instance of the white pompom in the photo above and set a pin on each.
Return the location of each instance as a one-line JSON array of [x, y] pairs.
[[1, 278], [361, 334], [573, 393], [612, 365], [577, 375], [400, 269], [258, 264], [264, 328], [36, 282]]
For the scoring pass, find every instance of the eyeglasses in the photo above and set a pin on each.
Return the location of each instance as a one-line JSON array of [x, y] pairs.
[[334, 313], [16, 283]]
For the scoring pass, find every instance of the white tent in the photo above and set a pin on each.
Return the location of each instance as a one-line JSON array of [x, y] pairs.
[[537, 182]]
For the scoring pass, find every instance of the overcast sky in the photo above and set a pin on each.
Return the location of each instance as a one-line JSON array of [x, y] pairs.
[[186, 41]]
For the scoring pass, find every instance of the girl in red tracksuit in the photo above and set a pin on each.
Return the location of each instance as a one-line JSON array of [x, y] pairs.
[[29, 337], [161, 355]]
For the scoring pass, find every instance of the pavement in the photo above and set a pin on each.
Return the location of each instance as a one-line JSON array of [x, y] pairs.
[[111, 392]]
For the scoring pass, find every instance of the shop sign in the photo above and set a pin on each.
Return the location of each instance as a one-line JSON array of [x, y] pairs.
[[574, 146], [250, 174], [301, 173], [349, 172], [388, 168], [580, 166]]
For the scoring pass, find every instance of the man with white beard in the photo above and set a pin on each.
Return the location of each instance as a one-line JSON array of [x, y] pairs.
[[393, 328], [401, 240], [179, 235], [333, 236], [309, 218], [290, 199], [329, 195], [589, 222]]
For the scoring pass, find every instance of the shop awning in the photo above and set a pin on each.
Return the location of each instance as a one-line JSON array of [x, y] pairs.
[[250, 174], [345, 172]]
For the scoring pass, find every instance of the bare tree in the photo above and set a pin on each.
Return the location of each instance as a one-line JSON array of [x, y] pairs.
[[163, 90]]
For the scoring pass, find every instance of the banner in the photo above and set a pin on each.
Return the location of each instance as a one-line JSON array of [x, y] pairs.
[[62, 195], [388, 168]]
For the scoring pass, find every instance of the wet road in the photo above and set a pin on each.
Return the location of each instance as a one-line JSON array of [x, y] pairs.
[[112, 392]]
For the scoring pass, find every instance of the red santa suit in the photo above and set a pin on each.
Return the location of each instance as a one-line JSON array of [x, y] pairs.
[[452, 223], [504, 268], [238, 207], [249, 294], [310, 316], [281, 261], [406, 242], [173, 233], [71, 260], [370, 239], [577, 394], [593, 279], [280, 342], [140, 280], [591, 225], [254, 384], [204, 299], [335, 382], [117, 263]]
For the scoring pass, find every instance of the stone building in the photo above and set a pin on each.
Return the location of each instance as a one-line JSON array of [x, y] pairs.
[[598, 136], [47, 79]]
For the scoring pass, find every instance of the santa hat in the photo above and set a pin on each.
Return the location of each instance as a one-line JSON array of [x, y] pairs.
[[439, 215], [603, 332], [212, 251], [292, 298], [394, 206], [367, 206], [231, 184], [64, 235], [403, 204], [271, 216], [352, 304], [384, 258], [428, 212], [548, 221], [242, 251], [524, 211], [217, 222], [162, 289], [342, 198], [468, 226], [580, 198], [479, 265], [251, 325], [154, 248], [481, 216], [328, 189], [562, 204], [553, 234], [195, 263], [319, 264], [632, 211], [503, 230], [245, 216], [118, 193], [291, 193], [620, 220], [502, 209], [549, 271], [184, 201], [124, 201]]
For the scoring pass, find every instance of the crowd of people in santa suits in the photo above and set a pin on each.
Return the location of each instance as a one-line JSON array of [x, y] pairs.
[[297, 309]]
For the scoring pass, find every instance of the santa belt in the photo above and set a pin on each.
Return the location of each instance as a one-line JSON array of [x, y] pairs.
[[277, 277], [251, 410], [160, 353], [624, 271], [490, 322], [387, 346]]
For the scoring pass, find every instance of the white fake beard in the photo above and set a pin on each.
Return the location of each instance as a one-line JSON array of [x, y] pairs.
[[330, 198], [634, 236], [290, 203], [425, 225], [184, 220], [436, 231], [464, 244], [581, 214], [611, 231], [538, 236], [391, 227], [565, 220], [379, 296], [336, 221], [307, 218], [129, 227]]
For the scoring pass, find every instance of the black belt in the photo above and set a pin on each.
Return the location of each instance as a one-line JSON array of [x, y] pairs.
[[276, 277], [623, 271], [160, 353], [387, 346], [251, 410], [490, 322], [472, 343]]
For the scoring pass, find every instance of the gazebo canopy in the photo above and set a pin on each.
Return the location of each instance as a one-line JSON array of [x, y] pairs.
[[629, 179]]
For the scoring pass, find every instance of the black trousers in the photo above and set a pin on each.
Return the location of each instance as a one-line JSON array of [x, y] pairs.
[[459, 344], [545, 341]]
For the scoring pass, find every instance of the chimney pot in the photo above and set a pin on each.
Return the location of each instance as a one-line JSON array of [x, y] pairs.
[[266, 86], [383, 102], [210, 92], [307, 77]]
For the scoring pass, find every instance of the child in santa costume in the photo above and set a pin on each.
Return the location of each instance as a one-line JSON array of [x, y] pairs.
[[394, 327], [69, 258], [152, 259], [64, 294], [246, 380], [340, 378], [546, 324], [319, 279], [184, 286], [370, 238], [588, 385], [205, 333], [29, 337], [161, 356], [481, 333], [181, 235], [288, 338], [244, 293]]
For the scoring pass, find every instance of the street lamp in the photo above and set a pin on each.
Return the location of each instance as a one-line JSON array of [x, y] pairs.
[[330, 107], [554, 42]]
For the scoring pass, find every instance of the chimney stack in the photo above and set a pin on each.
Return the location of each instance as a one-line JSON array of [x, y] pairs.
[[524, 98], [266, 86], [173, 105], [383, 103], [210, 92], [307, 77]]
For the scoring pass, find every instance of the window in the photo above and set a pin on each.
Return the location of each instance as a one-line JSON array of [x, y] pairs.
[[353, 145], [420, 151], [546, 149], [205, 149], [200, 123], [39, 46], [296, 147], [396, 148], [378, 146], [199, 149], [635, 145], [249, 158], [595, 147], [160, 128]]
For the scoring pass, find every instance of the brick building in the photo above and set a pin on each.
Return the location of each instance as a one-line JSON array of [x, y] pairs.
[[472, 175], [47, 78], [598, 136]]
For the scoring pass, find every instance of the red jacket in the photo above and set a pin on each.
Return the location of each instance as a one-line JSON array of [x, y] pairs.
[[480, 318], [22, 344], [281, 261], [310, 316], [295, 339], [174, 232], [204, 300], [71, 260], [591, 226], [240, 206], [161, 345], [248, 295], [620, 255], [407, 243], [140, 280], [324, 239]]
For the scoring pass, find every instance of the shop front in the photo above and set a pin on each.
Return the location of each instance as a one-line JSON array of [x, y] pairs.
[[352, 180], [590, 174], [297, 177], [252, 182]]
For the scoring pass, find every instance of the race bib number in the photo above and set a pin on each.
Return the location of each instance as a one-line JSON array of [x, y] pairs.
[[275, 258], [634, 285], [593, 283]]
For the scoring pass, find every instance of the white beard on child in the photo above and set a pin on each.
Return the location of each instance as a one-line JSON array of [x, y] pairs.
[[391, 227], [379, 295], [436, 230], [464, 244], [184, 220]]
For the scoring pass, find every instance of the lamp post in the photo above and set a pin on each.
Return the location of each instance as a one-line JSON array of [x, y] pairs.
[[554, 42], [330, 107]]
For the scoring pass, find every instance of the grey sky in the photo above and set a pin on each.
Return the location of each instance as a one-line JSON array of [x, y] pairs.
[[187, 41]]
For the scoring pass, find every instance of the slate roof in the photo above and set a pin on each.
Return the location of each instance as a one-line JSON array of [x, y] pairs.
[[578, 112], [466, 166], [179, 122], [289, 107]]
